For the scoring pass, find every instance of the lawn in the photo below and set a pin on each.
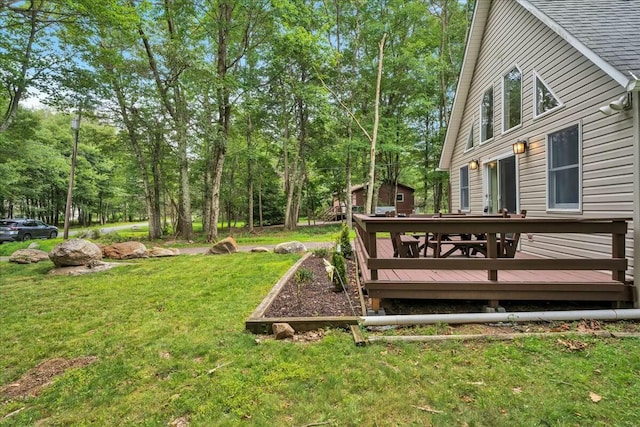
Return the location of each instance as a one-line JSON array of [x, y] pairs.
[[169, 341]]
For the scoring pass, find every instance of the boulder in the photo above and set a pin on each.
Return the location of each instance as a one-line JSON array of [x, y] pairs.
[[160, 252], [33, 245], [290, 248], [94, 266], [224, 246], [282, 331], [74, 252], [28, 256], [125, 250]]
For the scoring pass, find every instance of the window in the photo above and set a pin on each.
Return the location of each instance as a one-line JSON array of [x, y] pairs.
[[545, 99], [486, 116], [464, 188], [512, 103], [563, 162], [400, 197], [470, 143]]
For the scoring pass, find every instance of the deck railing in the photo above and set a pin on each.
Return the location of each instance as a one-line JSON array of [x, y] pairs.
[[561, 283], [368, 228]]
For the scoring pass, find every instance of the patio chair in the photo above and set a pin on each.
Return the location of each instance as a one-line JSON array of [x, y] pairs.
[[508, 244], [405, 246]]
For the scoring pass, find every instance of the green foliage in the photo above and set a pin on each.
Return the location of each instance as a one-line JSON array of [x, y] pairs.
[[345, 241], [91, 234], [113, 237], [321, 253], [340, 271], [303, 275]]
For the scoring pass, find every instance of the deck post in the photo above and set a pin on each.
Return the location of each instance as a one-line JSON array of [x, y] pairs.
[[492, 252], [373, 252], [618, 251]]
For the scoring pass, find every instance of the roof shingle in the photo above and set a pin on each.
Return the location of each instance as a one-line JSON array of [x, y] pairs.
[[610, 28]]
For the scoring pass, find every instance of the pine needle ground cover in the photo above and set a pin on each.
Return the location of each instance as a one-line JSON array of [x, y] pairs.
[[162, 341]]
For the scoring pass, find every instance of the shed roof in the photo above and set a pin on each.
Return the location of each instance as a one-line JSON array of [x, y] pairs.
[[605, 31]]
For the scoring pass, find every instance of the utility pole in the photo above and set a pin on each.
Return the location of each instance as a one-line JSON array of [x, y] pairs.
[[75, 125]]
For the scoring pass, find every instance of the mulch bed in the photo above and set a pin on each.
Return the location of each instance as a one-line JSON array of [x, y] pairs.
[[317, 297]]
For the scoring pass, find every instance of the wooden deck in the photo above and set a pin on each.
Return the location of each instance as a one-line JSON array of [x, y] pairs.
[[524, 277]]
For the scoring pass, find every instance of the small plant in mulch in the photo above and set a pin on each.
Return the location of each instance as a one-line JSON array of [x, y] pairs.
[[344, 242], [339, 271], [303, 276], [322, 253]]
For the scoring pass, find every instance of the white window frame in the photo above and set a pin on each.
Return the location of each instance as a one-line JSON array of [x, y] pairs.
[[400, 197], [504, 104], [493, 107], [564, 209], [470, 140], [535, 94], [485, 178], [467, 187]]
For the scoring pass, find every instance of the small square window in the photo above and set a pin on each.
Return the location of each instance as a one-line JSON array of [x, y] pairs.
[[400, 197]]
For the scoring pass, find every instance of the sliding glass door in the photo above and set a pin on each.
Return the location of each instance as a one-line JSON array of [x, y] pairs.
[[501, 185]]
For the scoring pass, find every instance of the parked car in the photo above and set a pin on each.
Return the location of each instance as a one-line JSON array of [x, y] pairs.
[[21, 229]]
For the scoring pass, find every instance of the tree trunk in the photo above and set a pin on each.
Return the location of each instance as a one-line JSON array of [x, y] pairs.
[[250, 162], [374, 136]]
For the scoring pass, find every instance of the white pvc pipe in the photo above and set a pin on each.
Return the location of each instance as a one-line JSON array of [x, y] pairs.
[[533, 316]]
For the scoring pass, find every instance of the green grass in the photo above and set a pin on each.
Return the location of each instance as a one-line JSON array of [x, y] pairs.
[[169, 338]]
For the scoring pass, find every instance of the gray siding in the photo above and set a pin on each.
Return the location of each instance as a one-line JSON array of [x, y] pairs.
[[515, 37]]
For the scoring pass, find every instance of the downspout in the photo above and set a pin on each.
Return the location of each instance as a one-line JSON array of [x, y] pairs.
[[634, 87], [533, 316]]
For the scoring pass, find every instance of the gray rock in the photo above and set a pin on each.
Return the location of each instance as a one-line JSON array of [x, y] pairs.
[[75, 252], [33, 245], [28, 256], [125, 250], [282, 331], [94, 266], [224, 246], [161, 252], [290, 248]]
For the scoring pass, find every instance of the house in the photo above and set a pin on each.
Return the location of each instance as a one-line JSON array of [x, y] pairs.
[[557, 83], [397, 195]]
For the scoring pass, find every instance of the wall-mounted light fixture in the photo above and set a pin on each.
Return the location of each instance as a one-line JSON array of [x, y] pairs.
[[473, 164], [520, 147], [617, 105]]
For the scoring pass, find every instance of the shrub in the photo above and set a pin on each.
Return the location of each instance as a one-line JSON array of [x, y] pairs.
[[345, 242], [340, 270], [89, 234], [111, 238], [321, 253], [304, 275]]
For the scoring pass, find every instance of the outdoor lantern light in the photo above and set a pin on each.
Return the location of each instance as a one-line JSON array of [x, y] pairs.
[[519, 147], [473, 164]]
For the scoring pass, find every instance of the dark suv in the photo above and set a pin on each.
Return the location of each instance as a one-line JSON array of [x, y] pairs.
[[21, 229]]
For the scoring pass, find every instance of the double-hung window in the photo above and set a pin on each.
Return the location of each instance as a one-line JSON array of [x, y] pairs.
[[464, 188], [486, 116], [512, 99], [563, 164]]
